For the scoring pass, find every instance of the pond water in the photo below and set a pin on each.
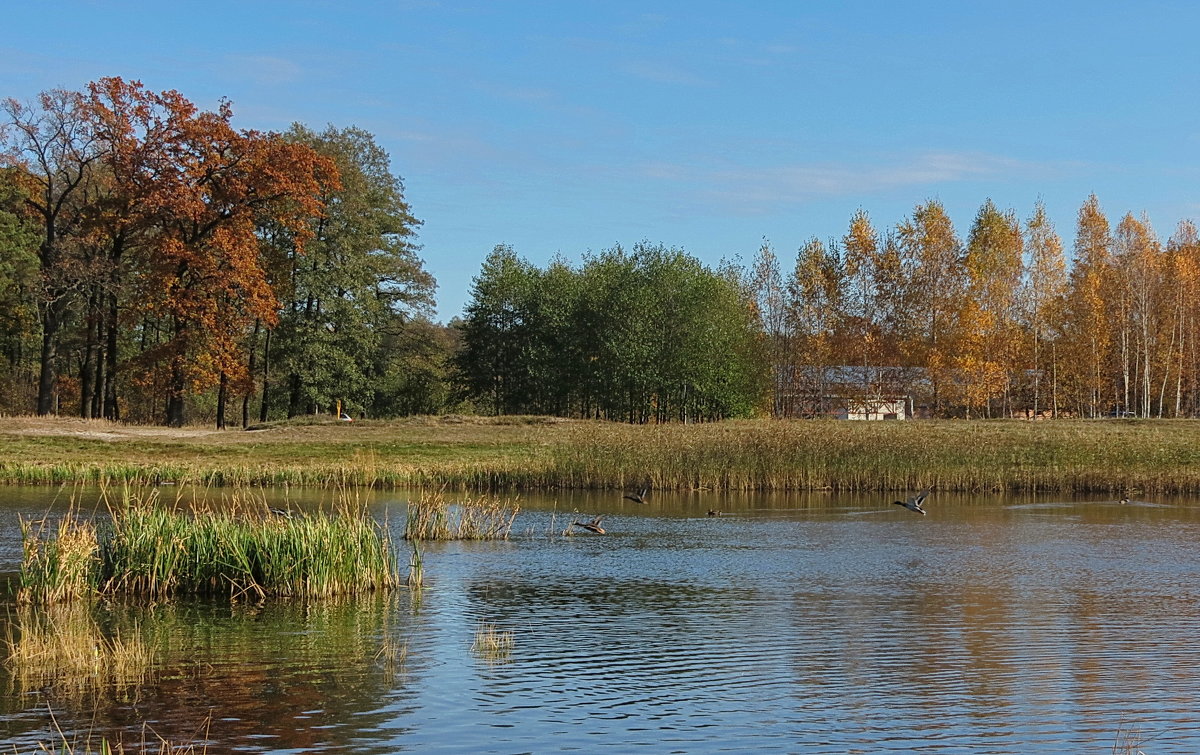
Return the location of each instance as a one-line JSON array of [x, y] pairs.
[[819, 623]]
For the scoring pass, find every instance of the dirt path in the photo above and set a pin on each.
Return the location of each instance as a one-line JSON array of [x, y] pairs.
[[98, 429]]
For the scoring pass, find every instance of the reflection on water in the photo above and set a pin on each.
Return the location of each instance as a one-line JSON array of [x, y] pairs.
[[814, 623]]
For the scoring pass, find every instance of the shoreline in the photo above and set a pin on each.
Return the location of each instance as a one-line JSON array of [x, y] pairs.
[[512, 453]]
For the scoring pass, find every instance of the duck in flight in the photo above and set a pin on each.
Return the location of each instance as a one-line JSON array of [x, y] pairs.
[[914, 503], [592, 526], [638, 497]]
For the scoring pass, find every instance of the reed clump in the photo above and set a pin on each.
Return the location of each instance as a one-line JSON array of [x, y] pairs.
[[492, 643], [150, 549], [432, 517], [416, 567], [60, 559]]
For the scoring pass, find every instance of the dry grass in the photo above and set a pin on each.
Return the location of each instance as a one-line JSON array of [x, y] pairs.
[[529, 452], [432, 517], [492, 644], [1063, 456], [481, 452], [60, 560]]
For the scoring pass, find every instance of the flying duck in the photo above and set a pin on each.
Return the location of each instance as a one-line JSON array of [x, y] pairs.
[[638, 497], [914, 503], [592, 526]]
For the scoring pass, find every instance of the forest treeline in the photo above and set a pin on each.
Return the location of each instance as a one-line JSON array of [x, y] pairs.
[[153, 259], [996, 324], [156, 263], [648, 334]]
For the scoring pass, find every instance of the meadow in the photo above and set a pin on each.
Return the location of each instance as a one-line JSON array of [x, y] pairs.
[[505, 453]]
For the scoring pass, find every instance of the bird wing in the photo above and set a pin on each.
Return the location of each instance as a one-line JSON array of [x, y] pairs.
[[919, 497]]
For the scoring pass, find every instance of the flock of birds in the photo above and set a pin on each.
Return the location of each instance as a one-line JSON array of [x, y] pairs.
[[594, 526]]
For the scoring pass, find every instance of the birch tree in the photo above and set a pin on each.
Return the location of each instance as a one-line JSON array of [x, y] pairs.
[[1044, 301]]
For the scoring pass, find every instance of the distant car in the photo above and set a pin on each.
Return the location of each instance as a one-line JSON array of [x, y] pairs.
[[1120, 415], [346, 417]]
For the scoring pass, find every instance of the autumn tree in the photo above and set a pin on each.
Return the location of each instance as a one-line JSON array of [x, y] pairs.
[[987, 352], [1137, 259], [202, 274], [814, 307], [138, 135], [861, 261], [1043, 302], [935, 283], [1088, 336], [1182, 277]]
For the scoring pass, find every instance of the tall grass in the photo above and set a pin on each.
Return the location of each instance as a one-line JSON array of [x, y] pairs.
[[416, 566], [60, 559], [1063, 456], [1002, 455], [492, 644], [432, 517], [151, 549]]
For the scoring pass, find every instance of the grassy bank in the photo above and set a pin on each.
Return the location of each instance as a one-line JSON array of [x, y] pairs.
[[1094, 456]]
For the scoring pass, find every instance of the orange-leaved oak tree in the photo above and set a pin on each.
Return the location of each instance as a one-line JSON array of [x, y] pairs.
[[202, 188]]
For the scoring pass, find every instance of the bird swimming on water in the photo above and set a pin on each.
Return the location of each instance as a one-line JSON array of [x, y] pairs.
[[592, 526], [714, 512], [914, 503], [638, 497]]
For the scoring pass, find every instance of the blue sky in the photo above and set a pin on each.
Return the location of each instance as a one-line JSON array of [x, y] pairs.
[[562, 127]]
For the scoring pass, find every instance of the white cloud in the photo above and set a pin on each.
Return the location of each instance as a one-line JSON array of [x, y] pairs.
[[790, 184]]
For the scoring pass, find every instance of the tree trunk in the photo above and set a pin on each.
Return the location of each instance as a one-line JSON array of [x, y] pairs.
[[266, 389], [175, 386], [51, 318], [111, 410], [294, 407], [101, 376], [175, 416], [87, 369], [222, 399]]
